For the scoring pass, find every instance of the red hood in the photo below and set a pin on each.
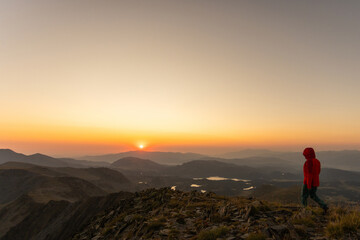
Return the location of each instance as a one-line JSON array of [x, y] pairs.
[[309, 153]]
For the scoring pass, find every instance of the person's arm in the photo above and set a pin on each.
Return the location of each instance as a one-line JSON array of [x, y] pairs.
[[307, 175]]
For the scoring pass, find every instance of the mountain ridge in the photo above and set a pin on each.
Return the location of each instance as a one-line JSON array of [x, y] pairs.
[[169, 158], [49, 183], [168, 214], [8, 155], [139, 164]]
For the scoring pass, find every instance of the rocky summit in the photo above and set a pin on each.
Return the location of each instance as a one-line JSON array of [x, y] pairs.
[[168, 214], [171, 214]]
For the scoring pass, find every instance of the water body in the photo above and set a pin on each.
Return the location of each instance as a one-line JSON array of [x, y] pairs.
[[249, 188], [241, 180], [217, 178], [195, 185]]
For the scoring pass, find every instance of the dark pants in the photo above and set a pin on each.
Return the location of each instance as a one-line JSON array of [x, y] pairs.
[[312, 193]]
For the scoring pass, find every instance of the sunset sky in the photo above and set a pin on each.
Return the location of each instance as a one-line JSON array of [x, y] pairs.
[[92, 77]]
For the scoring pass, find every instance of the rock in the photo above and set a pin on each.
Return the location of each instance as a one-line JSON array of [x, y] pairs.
[[231, 238], [279, 231], [293, 234], [236, 219], [222, 211], [310, 229], [187, 221], [256, 203], [303, 213], [186, 236], [279, 228], [245, 236], [128, 218], [267, 232], [165, 232], [250, 212]]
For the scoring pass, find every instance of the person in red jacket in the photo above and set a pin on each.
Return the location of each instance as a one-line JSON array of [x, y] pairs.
[[311, 170]]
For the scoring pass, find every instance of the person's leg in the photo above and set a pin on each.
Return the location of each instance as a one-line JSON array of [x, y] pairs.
[[313, 195], [304, 195]]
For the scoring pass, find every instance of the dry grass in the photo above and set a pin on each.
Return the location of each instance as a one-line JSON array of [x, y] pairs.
[[307, 221], [256, 236], [213, 234], [343, 221]]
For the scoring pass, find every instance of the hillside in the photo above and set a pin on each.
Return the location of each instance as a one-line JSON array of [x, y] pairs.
[[7, 155], [137, 164], [168, 214], [25, 189], [46, 183], [104, 178], [61, 219], [17, 182], [268, 162], [207, 168], [15, 212]]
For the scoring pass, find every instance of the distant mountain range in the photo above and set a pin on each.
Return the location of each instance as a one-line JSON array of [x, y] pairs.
[[271, 163], [345, 160], [207, 168], [197, 165], [7, 155], [168, 158], [283, 161], [137, 164]]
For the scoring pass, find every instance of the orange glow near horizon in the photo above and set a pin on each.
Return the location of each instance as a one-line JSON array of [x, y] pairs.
[[94, 77], [67, 140]]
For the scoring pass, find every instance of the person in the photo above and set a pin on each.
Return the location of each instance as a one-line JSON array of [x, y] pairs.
[[311, 170]]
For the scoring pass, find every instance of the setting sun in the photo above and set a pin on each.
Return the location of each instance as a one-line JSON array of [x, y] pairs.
[[141, 146]]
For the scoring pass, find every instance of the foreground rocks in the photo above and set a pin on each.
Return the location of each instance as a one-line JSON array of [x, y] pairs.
[[168, 214]]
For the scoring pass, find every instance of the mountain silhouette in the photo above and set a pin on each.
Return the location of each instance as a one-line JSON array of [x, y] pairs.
[[7, 155], [137, 164], [170, 158]]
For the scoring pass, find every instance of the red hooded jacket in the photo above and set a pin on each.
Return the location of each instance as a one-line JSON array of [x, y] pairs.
[[311, 168]]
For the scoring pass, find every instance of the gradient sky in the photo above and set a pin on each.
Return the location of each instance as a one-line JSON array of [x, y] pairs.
[[91, 77]]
